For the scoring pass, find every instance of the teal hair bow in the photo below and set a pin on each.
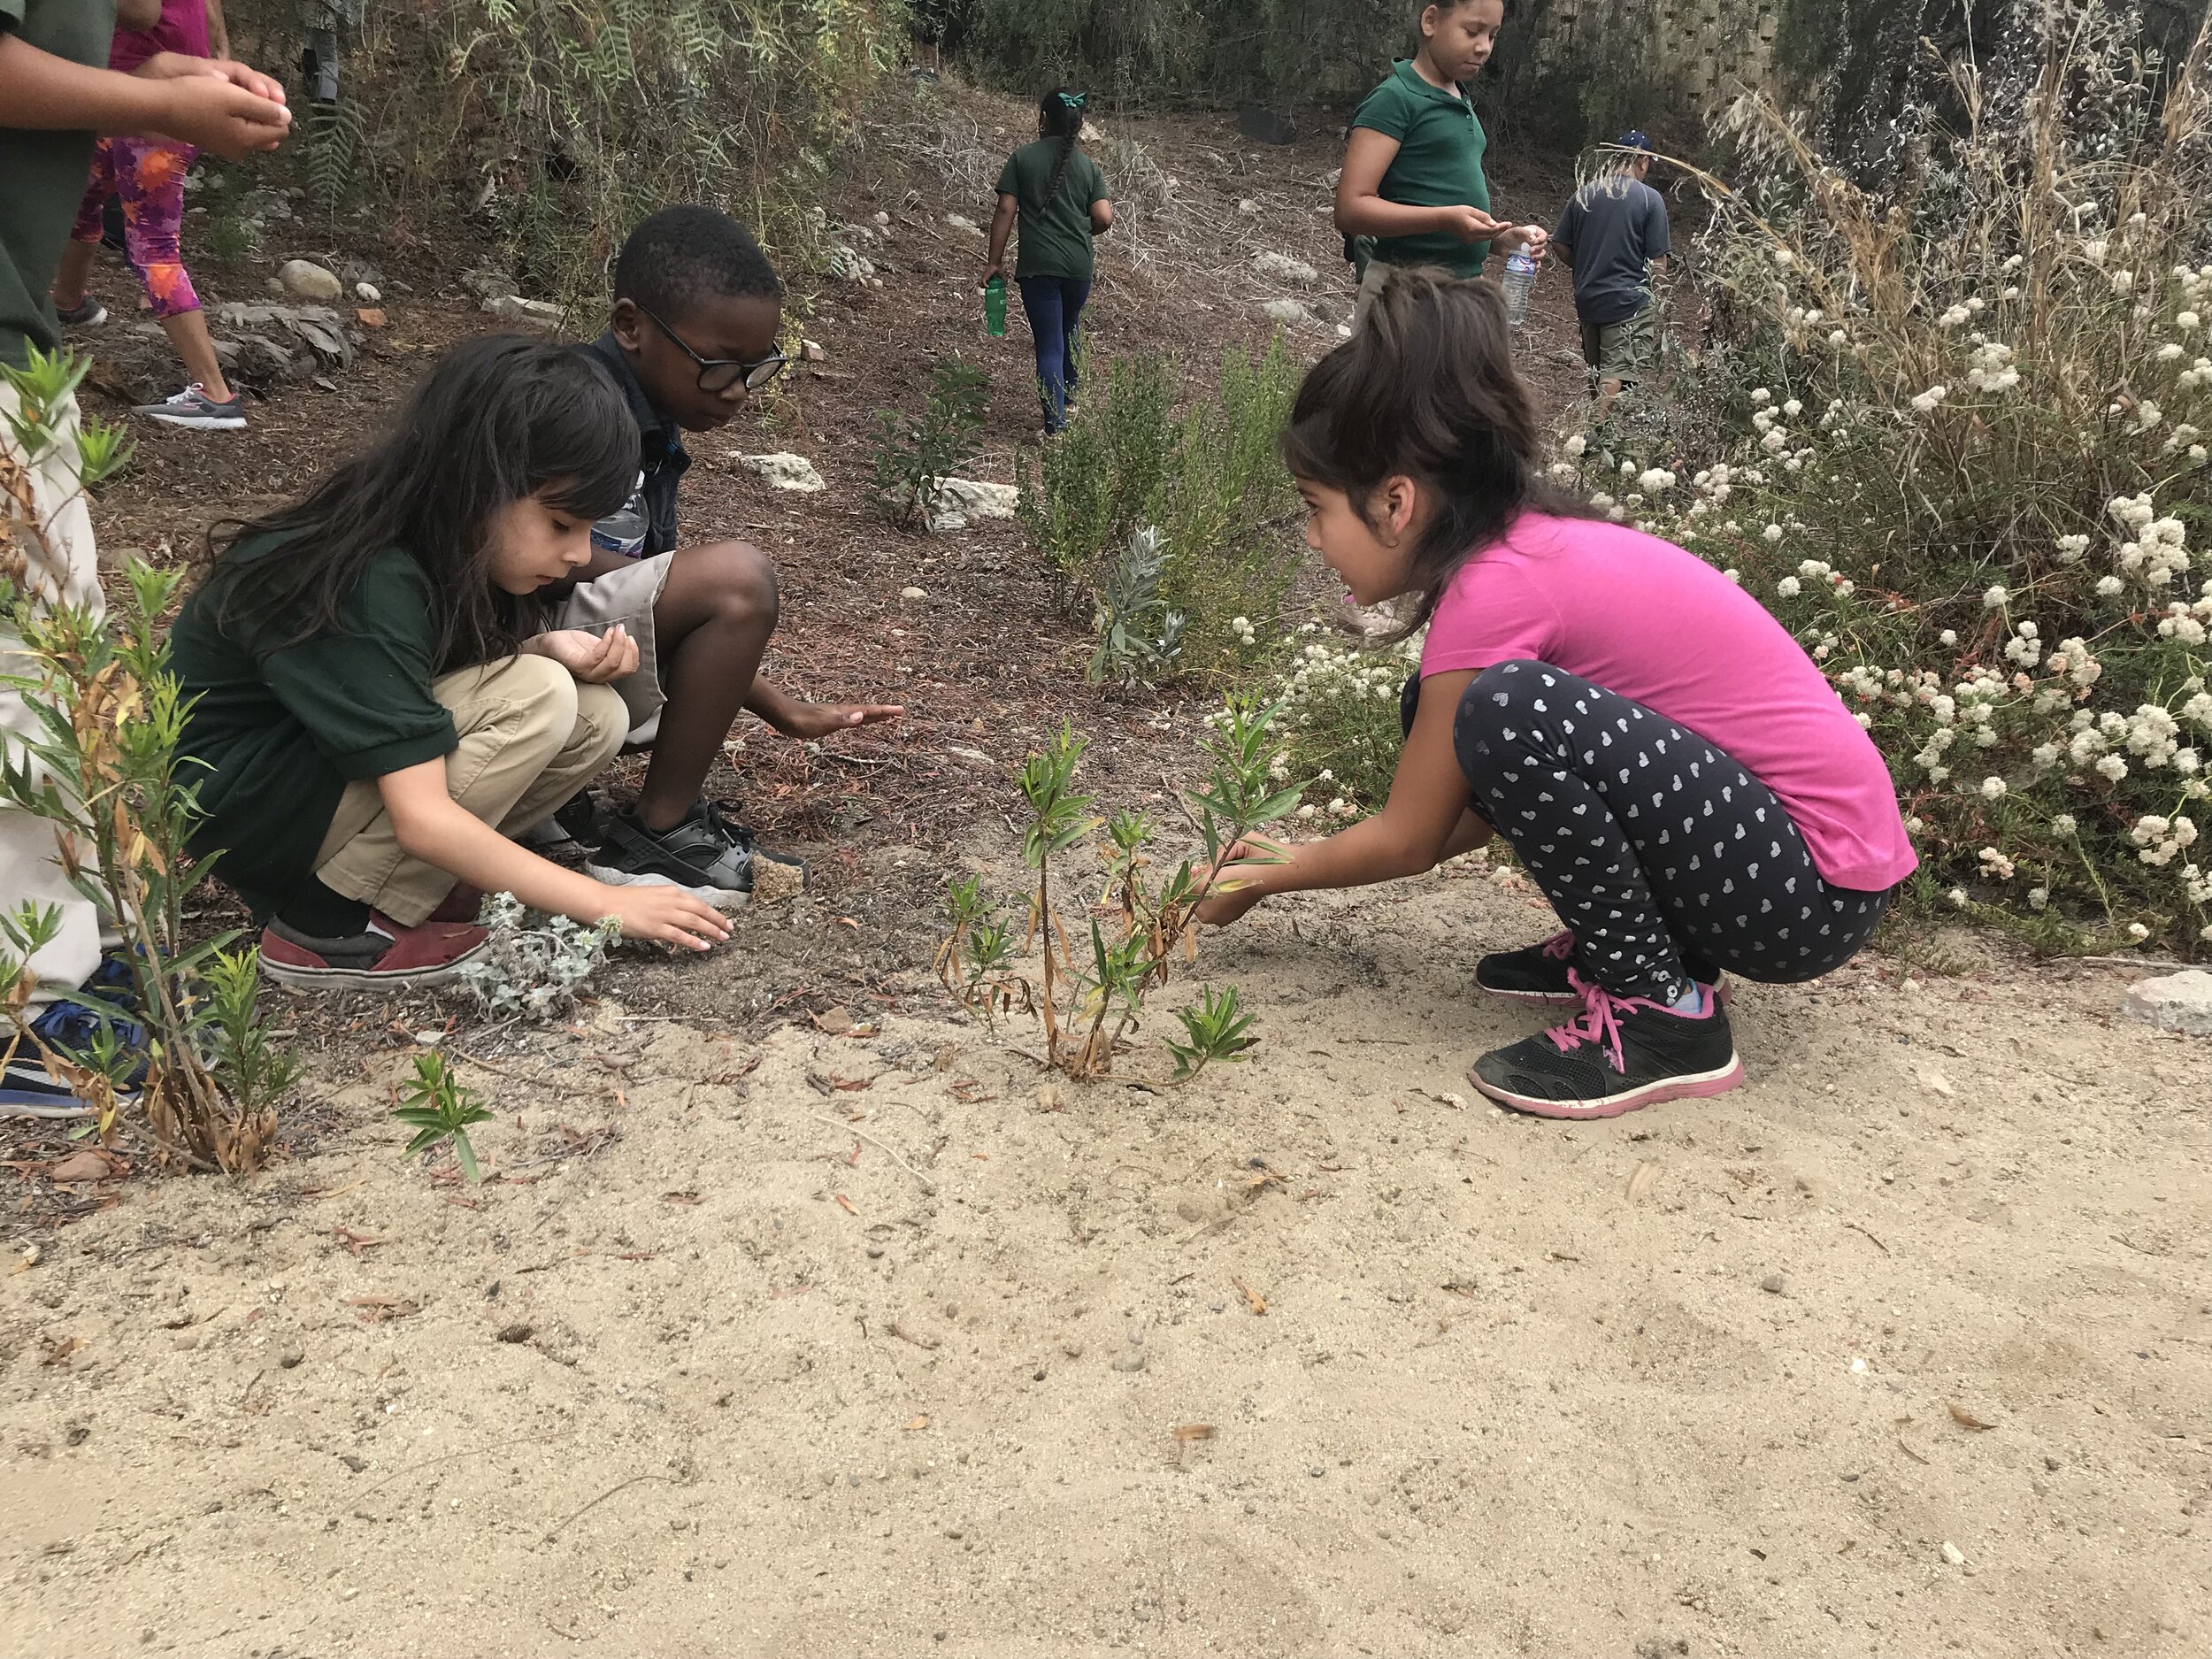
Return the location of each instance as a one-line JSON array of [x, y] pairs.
[[1077, 101]]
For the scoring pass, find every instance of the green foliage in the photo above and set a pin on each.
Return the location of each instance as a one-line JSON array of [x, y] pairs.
[[1138, 636], [101, 764], [915, 453], [333, 141], [436, 1105], [1340, 724], [1208, 478], [1090, 998]]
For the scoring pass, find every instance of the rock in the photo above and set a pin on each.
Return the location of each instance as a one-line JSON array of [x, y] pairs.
[[1131, 1360], [367, 293], [321, 330], [1248, 205], [489, 285], [87, 1165], [774, 882], [969, 499], [1953, 1553], [257, 361], [1091, 133], [974, 758], [961, 222], [1290, 313], [843, 262], [512, 308], [811, 351], [290, 1358], [882, 218], [913, 593], [275, 287], [785, 471], [1774, 1284], [1282, 268], [370, 316], [310, 281], [2177, 1001]]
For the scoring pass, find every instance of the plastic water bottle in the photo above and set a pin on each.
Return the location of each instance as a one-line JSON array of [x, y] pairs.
[[994, 307], [623, 531], [1520, 282]]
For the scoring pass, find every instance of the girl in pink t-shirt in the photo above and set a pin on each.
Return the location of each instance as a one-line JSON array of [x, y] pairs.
[[1677, 774]]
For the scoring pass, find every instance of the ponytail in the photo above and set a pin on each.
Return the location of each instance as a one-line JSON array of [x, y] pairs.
[[1061, 114]]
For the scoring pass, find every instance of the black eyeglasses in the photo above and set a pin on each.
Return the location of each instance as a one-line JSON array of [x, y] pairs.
[[719, 374]]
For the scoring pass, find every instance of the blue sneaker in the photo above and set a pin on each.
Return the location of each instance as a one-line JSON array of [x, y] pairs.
[[77, 1030]]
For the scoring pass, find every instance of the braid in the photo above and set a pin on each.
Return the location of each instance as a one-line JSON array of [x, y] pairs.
[[1061, 113], [1060, 168]]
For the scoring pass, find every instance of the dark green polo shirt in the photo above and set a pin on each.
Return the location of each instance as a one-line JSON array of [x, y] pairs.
[[42, 175], [281, 728], [1055, 234], [1438, 163]]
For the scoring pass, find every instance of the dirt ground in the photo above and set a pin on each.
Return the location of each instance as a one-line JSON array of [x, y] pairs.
[[799, 1315]]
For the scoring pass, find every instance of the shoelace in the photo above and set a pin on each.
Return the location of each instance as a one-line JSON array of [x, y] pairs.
[[730, 830], [1560, 946], [1599, 1022]]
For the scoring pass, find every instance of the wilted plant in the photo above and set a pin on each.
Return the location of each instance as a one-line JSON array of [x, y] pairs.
[[917, 453], [103, 768], [438, 1107], [1091, 981]]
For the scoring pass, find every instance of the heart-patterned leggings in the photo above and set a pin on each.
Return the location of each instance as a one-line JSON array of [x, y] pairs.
[[1650, 842]]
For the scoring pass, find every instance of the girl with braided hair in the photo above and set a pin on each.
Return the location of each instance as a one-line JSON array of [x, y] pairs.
[[1058, 194]]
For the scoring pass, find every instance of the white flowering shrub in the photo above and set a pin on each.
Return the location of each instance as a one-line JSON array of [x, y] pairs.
[[1340, 721], [1972, 476], [534, 969]]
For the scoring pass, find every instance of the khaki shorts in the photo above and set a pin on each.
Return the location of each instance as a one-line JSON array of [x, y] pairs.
[[1620, 352], [625, 597]]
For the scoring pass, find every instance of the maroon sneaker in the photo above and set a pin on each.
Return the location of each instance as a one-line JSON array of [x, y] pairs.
[[387, 957], [461, 905]]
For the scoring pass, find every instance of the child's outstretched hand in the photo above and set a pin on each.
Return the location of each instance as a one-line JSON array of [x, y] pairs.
[[1237, 888], [670, 916], [595, 659], [826, 719]]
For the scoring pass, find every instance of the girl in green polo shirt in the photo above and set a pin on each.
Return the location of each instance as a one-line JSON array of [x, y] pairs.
[[1058, 195], [1413, 191], [384, 695]]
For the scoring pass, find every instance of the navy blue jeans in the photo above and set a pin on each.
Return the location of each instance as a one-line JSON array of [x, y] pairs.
[[1054, 306]]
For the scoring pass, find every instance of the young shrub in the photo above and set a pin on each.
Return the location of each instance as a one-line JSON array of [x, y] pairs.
[[102, 766], [1091, 985], [1139, 636], [533, 967], [1340, 724], [917, 453], [439, 1108]]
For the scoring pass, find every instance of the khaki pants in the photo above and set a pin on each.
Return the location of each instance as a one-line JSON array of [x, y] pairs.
[[62, 568], [531, 737]]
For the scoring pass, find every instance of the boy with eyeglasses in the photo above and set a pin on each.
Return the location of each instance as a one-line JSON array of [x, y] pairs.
[[692, 335]]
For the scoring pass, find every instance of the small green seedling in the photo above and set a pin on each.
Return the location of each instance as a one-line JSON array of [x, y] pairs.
[[437, 1108], [1218, 1031]]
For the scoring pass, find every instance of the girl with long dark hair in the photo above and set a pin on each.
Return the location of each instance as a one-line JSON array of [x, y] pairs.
[[1058, 195], [383, 694], [1674, 770]]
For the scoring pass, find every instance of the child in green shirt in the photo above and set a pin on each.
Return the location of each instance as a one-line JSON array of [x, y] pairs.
[[1059, 197], [1413, 191]]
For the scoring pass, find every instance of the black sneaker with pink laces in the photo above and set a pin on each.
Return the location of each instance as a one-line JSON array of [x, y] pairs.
[[1620, 1054], [1540, 972]]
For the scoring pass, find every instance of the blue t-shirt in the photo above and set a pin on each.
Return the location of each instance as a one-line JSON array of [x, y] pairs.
[[1612, 231]]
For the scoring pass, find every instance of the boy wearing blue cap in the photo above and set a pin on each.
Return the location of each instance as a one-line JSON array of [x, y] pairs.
[[1614, 236]]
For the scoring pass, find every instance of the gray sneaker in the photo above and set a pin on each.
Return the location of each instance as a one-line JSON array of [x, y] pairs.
[[705, 854], [86, 313], [194, 408]]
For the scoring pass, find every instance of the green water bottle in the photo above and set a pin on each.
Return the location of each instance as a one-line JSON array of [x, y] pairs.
[[994, 307]]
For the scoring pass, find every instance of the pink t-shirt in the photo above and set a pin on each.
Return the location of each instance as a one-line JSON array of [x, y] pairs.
[[182, 28], [1659, 626]]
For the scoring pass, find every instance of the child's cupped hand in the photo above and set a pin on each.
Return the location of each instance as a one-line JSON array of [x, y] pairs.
[[668, 916], [1235, 888], [595, 659]]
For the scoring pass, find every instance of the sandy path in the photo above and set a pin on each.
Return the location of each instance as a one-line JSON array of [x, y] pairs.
[[1507, 1396]]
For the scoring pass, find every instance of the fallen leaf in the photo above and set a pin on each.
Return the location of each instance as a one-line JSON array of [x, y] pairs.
[[57, 1351], [1641, 1179], [84, 1166], [1194, 1430], [904, 1335], [1259, 1303], [1966, 1419], [845, 1203], [850, 1084], [680, 1198], [354, 1241], [835, 1021], [1903, 1446], [917, 1426]]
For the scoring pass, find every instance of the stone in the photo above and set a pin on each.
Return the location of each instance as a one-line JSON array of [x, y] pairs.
[[811, 351], [783, 471], [961, 222], [310, 281], [1131, 1360], [367, 293], [1290, 313], [1248, 205], [773, 883], [882, 216], [1774, 1284], [970, 499], [843, 262], [370, 316], [913, 593], [512, 308], [1953, 1553], [489, 285], [2177, 1001], [1282, 268]]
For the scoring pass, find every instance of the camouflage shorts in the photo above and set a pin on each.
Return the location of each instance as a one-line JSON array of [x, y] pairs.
[[1621, 351]]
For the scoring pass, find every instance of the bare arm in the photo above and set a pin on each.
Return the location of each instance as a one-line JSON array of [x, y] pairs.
[[225, 107], [139, 15], [1102, 217], [218, 30], [432, 827], [1002, 228], [1361, 210], [1425, 820]]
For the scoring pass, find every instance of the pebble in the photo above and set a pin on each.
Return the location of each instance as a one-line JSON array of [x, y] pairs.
[[310, 281], [1953, 1553], [367, 293], [290, 1358], [1073, 1350], [1774, 1284], [874, 1251], [1317, 1470], [1131, 1361], [1217, 1307], [913, 593]]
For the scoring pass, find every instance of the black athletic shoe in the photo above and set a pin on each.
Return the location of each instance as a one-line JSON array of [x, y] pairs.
[[705, 854], [1543, 973], [582, 822], [1620, 1054]]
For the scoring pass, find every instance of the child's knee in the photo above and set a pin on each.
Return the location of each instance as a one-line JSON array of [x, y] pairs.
[[743, 580], [602, 720]]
